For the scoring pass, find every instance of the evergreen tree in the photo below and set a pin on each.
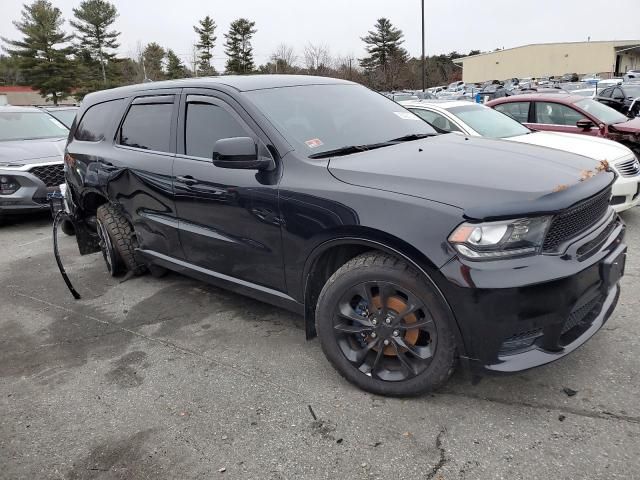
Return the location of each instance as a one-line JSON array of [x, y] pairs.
[[42, 54], [238, 46], [94, 18], [175, 67], [152, 57], [206, 42], [384, 46]]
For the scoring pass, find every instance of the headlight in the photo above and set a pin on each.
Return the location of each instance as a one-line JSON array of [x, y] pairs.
[[495, 240]]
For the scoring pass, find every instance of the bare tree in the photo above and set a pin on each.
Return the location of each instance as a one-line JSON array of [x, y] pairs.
[[317, 58], [284, 58]]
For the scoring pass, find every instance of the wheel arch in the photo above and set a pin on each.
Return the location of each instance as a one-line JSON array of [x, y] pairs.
[[330, 255]]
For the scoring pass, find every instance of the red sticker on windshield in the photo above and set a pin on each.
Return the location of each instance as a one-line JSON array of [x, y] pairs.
[[314, 143]]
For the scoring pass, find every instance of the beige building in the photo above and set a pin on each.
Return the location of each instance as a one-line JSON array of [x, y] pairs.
[[608, 59]]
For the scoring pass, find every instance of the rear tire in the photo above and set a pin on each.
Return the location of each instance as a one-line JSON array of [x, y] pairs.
[[365, 320], [117, 241]]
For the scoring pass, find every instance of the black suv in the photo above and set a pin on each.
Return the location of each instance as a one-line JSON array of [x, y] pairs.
[[405, 251]]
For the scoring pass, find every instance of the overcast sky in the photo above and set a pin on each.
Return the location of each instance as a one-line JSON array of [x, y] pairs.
[[459, 25]]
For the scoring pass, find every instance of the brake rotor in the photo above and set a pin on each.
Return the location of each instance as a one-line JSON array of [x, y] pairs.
[[398, 304]]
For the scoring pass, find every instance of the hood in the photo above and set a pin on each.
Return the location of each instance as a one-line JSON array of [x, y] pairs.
[[632, 126], [486, 178], [585, 145], [22, 152]]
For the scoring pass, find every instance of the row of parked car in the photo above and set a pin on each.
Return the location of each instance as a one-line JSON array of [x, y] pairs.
[[409, 248]]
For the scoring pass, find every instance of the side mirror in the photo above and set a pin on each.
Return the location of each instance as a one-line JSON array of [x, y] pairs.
[[585, 124], [240, 153]]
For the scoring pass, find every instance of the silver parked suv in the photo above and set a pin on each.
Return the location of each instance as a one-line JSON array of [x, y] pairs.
[[31, 159]]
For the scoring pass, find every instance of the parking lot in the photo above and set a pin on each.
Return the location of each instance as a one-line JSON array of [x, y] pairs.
[[172, 378]]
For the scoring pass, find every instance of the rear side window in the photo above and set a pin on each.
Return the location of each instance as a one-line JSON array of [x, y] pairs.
[[517, 110], [205, 125], [148, 126], [97, 120], [606, 93]]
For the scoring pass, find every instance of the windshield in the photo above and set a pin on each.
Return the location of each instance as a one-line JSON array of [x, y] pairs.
[[404, 97], [29, 125], [65, 116], [320, 118], [603, 113], [488, 122]]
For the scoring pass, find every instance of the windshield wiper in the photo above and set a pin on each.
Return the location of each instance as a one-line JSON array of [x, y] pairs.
[[348, 150], [411, 137]]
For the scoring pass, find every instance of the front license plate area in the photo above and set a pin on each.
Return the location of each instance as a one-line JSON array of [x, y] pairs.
[[612, 269]]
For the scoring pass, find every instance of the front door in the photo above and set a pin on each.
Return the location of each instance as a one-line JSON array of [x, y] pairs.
[[228, 219], [557, 117]]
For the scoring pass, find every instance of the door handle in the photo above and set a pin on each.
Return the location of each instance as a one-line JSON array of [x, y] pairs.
[[187, 180]]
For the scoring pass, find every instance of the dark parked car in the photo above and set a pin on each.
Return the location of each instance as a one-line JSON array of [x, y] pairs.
[[570, 77], [405, 251], [571, 114], [31, 147], [624, 98]]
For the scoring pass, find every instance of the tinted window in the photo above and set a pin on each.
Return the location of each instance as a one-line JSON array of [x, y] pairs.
[[437, 121], [319, 118], [517, 110], [556, 114], [148, 126], [205, 125], [97, 120], [617, 94]]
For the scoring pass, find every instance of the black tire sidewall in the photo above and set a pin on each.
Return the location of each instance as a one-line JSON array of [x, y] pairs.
[[443, 362]]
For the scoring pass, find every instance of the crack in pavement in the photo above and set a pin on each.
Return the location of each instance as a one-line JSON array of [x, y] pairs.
[[603, 415], [443, 456]]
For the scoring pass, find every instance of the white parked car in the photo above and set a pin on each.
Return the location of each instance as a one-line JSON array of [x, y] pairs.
[[479, 121]]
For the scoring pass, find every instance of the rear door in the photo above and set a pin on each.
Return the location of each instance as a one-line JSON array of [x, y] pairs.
[[229, 219], [139, 170]]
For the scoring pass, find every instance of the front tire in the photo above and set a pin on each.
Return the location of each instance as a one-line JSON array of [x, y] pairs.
[[385, 328]]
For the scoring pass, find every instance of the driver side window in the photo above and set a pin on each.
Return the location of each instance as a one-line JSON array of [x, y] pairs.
[[556, 114], [205, 124]]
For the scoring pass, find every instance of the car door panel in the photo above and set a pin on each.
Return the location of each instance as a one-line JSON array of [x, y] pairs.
[[140, 179], [229, 220]]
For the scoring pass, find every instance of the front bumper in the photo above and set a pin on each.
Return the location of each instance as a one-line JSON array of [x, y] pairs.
[[625, 193], [522, 313], [32, 195]]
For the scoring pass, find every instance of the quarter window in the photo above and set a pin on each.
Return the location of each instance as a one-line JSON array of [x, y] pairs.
[[517, 110], [97, 120], [556, 114], [606, 93], [205, 125], [148, 126]]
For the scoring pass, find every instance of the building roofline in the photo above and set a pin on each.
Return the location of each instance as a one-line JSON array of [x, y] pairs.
[[617, 43]]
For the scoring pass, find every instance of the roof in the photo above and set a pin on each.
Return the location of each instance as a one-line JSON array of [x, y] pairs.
[[617, 43], [12, 109], [528, 97], [241, 83]]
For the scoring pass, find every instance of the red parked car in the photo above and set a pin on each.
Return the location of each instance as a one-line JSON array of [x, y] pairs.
[[572, 114]]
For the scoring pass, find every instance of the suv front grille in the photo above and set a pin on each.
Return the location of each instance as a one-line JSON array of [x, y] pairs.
[[51, 175], [575, 220], [629, 168]]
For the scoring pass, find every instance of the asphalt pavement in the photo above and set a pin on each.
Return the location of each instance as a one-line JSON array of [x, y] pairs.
[[175, 379]]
